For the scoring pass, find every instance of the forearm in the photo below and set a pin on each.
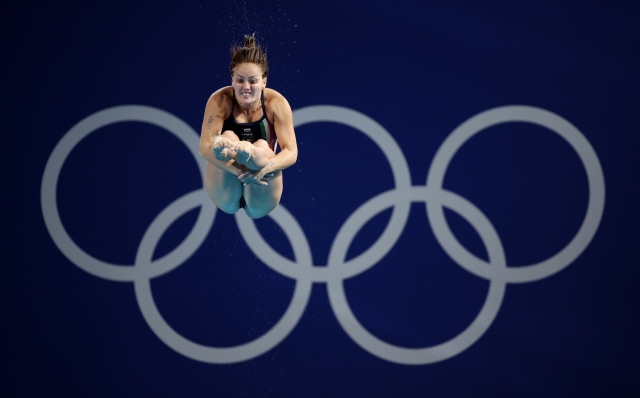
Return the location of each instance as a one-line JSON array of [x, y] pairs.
[[285, 158]]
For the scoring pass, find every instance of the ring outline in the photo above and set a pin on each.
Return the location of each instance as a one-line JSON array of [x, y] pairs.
[[560, 126], [48, 189], [437, 199]]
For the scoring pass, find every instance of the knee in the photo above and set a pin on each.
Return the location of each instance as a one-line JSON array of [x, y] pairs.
[[261, 143], [230, 134]]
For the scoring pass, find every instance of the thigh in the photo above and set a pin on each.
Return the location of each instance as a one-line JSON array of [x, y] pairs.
[[263, 144], [261, 199], [224, 188]]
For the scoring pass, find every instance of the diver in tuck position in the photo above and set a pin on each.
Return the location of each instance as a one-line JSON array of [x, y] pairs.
[[242, 125]]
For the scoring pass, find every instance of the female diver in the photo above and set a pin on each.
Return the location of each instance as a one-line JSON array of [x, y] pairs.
[[242, 125]]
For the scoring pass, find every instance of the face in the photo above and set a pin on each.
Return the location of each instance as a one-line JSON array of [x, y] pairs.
[[248, 83]]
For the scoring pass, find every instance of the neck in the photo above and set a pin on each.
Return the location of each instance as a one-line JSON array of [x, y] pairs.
[[250, 108]]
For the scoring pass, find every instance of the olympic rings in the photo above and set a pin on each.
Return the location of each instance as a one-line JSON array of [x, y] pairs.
[[91, 264], [302, 269]]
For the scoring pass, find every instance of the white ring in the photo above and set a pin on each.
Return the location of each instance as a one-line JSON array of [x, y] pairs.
[[201, 352], [543, 118], [59, 155], [401, 177], [448, 349]]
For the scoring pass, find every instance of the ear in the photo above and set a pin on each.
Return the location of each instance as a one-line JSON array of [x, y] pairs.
[[264, 81]]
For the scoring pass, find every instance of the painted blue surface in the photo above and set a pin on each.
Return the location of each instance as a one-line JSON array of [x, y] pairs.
[[419, 69]]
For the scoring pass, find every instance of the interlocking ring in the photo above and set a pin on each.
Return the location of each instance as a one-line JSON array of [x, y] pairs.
[[302, 269]]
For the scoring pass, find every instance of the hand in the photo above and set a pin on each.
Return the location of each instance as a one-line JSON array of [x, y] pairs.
[[268, 176], [259, 177]]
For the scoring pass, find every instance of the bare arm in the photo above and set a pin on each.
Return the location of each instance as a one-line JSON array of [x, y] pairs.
[[214, 114], [283, 124]]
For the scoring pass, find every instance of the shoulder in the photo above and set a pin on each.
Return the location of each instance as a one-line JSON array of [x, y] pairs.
[[275, 102], [221, 98]]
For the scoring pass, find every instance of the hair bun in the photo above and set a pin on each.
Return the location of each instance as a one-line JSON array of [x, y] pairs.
[[251, 53], [250, 40]]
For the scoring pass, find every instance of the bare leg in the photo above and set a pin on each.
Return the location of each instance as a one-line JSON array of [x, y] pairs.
[[261, 199], [254, 156], [224, 188]]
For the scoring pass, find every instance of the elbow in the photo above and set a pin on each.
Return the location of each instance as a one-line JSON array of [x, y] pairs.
[[294, 156], [204, 150]]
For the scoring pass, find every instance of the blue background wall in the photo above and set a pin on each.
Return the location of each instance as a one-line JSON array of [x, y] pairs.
[[419, 69]]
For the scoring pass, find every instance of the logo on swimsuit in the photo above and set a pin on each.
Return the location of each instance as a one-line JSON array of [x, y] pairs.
[[247, 135], [338, 269]]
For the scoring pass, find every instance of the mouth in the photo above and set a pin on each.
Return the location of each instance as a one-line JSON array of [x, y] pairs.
[[245, 94]]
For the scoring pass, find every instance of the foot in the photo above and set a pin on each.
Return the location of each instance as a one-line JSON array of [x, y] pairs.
[[244, 150], [221, 147]]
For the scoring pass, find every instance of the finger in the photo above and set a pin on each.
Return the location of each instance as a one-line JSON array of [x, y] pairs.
[[256, 182], [261, 181], [246, 178]]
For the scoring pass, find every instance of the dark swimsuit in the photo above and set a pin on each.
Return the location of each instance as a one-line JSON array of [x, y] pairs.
[[252, 131]]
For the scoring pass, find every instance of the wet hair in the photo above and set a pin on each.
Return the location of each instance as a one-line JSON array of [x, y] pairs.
[[249, 52]]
